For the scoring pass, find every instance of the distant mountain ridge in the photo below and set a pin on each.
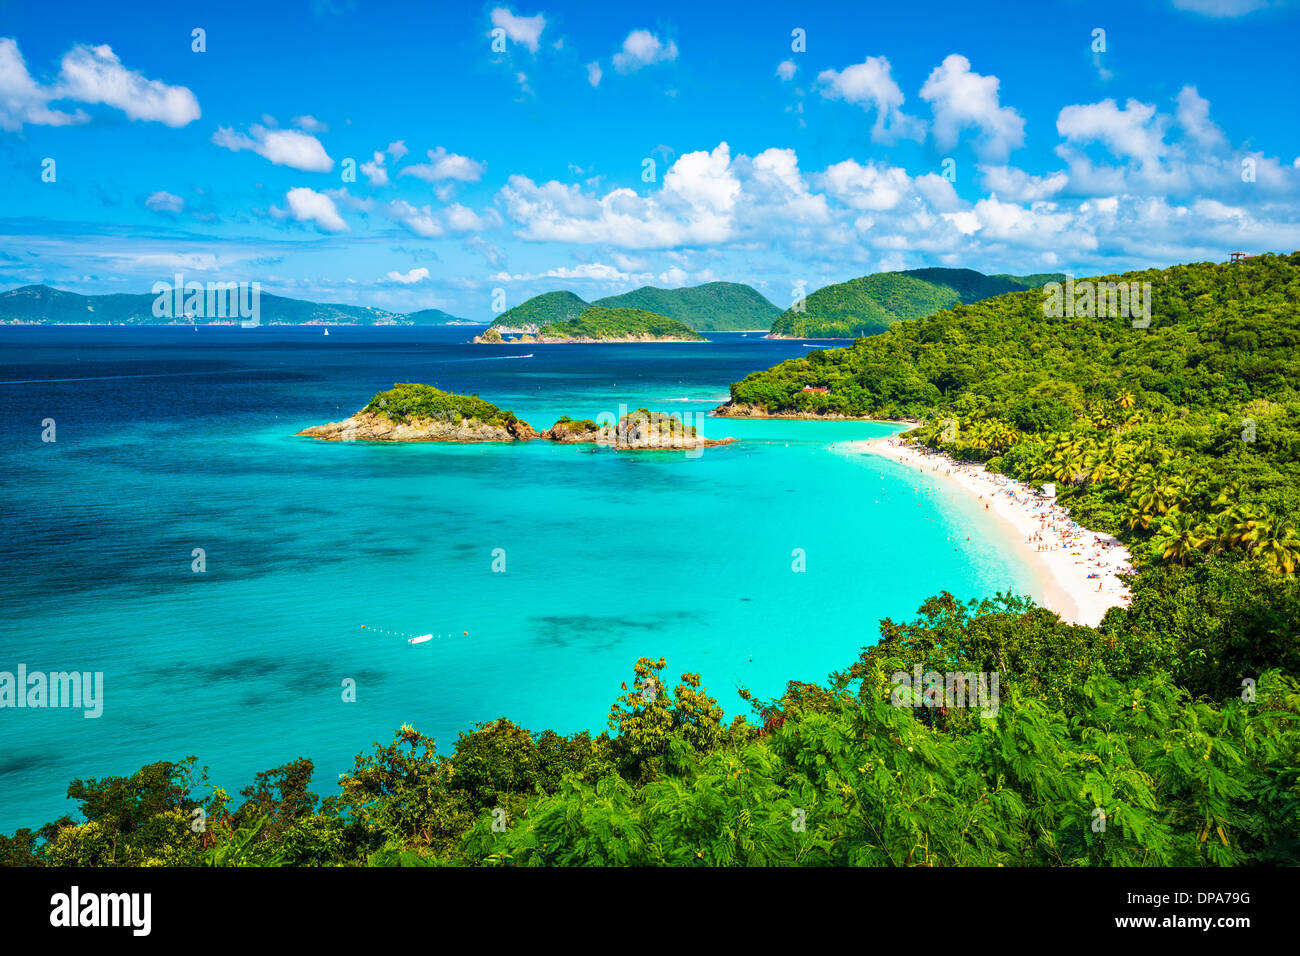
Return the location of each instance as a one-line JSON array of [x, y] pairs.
[[870, 304], [44, 305]]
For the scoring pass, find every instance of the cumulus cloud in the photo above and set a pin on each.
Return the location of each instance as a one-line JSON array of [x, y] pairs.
[[642, 48], [409, 278], [962, 99], [445, 165], [429, 223], [706, 198], [307, 205], [165, 202], [397, 150], [283, 147], [868, 187], [1020, 186], [1193, 116], [594, 73], [375, 170], [1129, 132], [786, 69], [88, 74], [526, 31], [870, 84], [22, 99], [94, 74]]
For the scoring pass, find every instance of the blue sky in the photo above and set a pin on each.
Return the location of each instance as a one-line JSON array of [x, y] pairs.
[[403, 156]]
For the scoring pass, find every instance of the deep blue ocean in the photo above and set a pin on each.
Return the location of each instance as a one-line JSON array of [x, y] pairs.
[[173, 439]]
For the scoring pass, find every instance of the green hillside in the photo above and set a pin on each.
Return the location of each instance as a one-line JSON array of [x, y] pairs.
[[598, 322], [713, 307], [870, 304], [1183, 435], [540, 310]]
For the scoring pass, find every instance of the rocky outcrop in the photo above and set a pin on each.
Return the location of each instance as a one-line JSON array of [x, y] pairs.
[[366, 426], [638, 431]]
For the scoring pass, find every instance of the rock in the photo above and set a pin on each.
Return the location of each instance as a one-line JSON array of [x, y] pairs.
[[365, 426]]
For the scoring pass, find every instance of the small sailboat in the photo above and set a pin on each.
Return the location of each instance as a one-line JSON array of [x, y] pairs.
[[327, 331], [419, 640]]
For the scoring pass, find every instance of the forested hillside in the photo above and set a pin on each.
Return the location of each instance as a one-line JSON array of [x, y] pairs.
[[712, 307], [870, 304]]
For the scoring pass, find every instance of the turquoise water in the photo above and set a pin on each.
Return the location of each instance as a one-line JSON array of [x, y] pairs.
[[171, 439]]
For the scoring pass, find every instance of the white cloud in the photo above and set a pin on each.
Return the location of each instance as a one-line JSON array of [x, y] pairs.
[[165, 202], [88, 75], [375, 171], [283, 147], [871, 85], [786, 69], [706, 198], [420, 221], [445, 165], [868, 187], [397, 150], [594, 73], [962, 99], [428, 223], [1020, 186], [642, 48], [523, 30], [307, 205], [588, 271], [96, 75], [1134, 132], [1193, 116], [22, 99], [409, 278], [311, 124]]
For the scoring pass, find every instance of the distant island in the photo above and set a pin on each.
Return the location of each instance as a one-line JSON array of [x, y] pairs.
[[871, 304], [44, 305], [712, 307], [600, 324], [410, 412]]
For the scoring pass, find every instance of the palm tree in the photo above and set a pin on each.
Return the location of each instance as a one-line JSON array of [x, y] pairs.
[[1125, 399], [1177, 538], [1216, 532], [1276, 545]]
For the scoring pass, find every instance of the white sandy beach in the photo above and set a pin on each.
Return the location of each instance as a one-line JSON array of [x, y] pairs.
[[1076, 568]]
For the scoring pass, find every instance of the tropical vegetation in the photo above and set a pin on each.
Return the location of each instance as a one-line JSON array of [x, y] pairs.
[[598, 322], [870, 304], [409, 401]]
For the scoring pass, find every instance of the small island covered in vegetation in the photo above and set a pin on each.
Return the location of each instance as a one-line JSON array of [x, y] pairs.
[[601, 324], [411, 412]]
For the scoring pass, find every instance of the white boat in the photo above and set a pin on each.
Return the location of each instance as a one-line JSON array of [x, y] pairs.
[[419, 640], [327, 331]]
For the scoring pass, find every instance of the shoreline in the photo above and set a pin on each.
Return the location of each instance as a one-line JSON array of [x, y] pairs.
[[1060, 553]]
